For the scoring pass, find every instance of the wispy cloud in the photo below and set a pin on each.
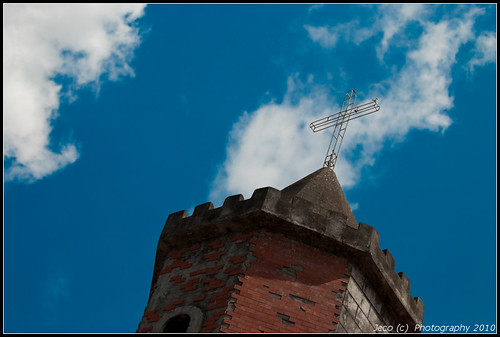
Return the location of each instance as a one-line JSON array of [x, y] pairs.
[[56, 287], [485, 50], [389, 22], [83, 42], [55, 291], [327, 37], [392, 21], [273, 145]]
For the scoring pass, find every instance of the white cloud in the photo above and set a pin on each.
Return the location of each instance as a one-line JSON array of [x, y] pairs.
[[327, 37], [390, 21], [485, 50], [393, 21], [41, 41], [273, 146]]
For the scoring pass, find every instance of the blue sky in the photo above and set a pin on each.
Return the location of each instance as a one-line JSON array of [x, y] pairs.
[[116, 116]]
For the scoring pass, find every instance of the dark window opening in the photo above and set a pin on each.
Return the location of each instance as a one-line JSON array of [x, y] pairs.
[[179, 323]]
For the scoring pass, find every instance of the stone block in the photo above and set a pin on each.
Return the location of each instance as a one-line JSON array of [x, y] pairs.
[[358, 295], [363, 322]]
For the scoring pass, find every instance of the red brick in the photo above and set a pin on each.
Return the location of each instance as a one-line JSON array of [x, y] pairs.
[[242, 327], [172, 305], [216, 305], [335, 311], [190, 285], [214, 256], [254, 309], [267, 323], [243, 314], [343, 280], [222, 295], [199, 298], [253, 241], [177, 279], [216, 244], [152, 316], [321, 272], [176, 264], [178, 253], [242, 238], [146, 329], [233, 271], [213, 283], [338, 288], [224, 292], [307, 322], [207, 271], [209, 323], [219, 298], [238, 259]]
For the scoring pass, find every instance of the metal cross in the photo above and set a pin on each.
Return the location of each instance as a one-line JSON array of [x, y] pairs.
[[340, 120]]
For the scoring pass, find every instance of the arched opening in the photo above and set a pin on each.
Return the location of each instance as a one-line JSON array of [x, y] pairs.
[[179, 323], [187, 318]]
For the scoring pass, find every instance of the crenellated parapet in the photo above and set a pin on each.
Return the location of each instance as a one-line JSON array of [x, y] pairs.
[[313, 211]]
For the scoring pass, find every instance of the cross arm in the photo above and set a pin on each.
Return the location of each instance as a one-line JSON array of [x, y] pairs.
[[343, 116]]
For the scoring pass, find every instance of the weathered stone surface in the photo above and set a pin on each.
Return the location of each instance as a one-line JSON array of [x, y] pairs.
[[322, 189]]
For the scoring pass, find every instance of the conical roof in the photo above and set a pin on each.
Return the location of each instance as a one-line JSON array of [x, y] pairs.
[[322, 189]]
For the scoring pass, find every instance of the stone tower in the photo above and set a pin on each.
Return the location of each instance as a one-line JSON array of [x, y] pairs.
[[294, 260]]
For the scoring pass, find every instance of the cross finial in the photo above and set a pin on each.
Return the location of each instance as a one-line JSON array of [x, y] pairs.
[[340, 120]]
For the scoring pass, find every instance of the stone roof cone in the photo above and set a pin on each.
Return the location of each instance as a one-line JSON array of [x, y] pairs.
[[323, 190]]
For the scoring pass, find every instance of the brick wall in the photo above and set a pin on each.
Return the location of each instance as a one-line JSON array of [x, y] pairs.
[[202, 275], [250, 283], [265, 282], [289, 287]]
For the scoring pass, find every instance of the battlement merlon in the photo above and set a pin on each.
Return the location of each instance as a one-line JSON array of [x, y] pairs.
[[297, 213]]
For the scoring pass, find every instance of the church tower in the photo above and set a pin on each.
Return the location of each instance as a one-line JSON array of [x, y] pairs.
[[294, 260]]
